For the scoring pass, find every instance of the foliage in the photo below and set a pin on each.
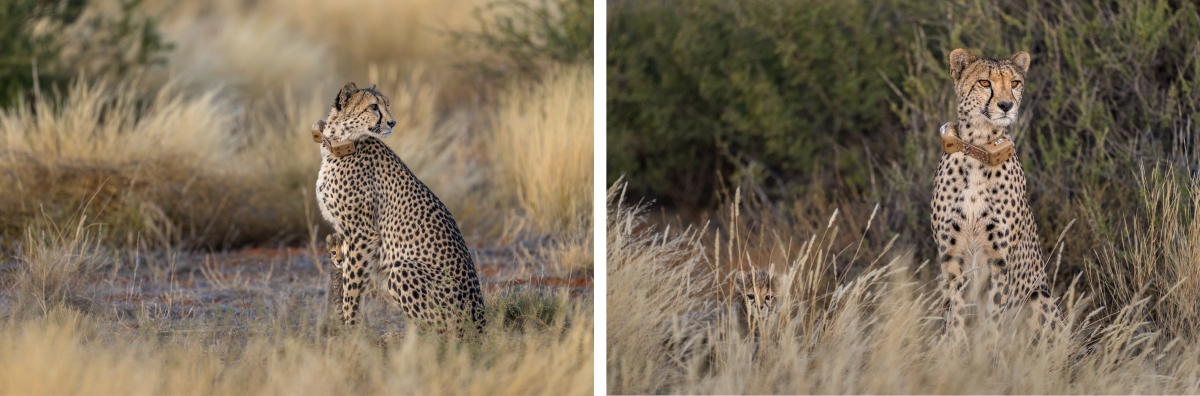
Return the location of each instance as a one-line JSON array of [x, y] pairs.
[[35, 33], [21, 48], [529, 36]]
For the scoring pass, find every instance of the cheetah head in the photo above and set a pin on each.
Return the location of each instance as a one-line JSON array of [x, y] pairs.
[[754, 292], [989, 90], [358, 113]]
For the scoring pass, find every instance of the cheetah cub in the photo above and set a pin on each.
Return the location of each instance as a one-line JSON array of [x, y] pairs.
[[754, 302], [755, 313], [981, 220], [385, 219]]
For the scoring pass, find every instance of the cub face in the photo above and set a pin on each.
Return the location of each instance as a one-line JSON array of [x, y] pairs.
[[358, 113], [754, 293], [989, 90]]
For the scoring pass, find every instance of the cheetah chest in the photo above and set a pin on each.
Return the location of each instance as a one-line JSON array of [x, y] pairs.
[[976, 205], [340, 193]]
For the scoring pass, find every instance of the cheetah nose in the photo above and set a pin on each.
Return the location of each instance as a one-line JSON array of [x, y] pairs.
[[392, 123], [1006, 106]]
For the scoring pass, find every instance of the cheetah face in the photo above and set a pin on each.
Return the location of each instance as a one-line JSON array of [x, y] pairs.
[[358, 113], [755, 293], [988, 89]]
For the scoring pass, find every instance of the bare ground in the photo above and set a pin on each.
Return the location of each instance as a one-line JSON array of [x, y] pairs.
[[213, 291]]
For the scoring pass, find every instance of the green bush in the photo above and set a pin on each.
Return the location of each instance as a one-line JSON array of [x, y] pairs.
[[33, 34], [527, 36], [764, 90], [814, 104]]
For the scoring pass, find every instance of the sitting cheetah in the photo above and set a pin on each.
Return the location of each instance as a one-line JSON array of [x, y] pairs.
[[755, 312], [981, 220], [381, 212]]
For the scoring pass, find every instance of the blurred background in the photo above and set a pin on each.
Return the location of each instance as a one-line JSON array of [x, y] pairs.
[[812, 107], [184, 124]]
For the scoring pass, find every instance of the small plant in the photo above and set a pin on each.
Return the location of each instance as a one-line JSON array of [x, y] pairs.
[[44, 43], [53, 263]]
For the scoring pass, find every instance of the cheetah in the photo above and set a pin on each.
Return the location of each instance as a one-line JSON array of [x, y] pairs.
[[981, 220], [755, 313], [386, 220]]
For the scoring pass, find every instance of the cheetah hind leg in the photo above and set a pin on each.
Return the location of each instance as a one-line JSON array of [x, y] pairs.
[[952, 290], [414, 295]]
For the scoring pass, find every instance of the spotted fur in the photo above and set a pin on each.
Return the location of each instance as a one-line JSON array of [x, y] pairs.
[[981, 220], [381, 212]]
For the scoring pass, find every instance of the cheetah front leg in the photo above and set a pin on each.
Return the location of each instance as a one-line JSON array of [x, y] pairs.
[[952, 290], [361, 248], [1045, 311]]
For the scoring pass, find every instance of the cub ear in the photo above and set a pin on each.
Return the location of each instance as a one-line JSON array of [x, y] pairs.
[[344, 95], [959, 60], [739, 280], [1021, 59]]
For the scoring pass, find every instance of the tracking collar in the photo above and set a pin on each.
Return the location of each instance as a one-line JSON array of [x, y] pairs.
[[991, 153], [339, 148]]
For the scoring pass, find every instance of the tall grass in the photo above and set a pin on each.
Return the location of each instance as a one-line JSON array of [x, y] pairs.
[[876, 332], [542, 148], [65, 352], [1158, 254], [52, 265]]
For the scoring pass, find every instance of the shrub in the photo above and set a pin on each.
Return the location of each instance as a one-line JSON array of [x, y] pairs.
[[529, 36], [45, 42]]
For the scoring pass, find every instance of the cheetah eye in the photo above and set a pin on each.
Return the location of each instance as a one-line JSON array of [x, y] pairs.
[[750, 297], [767, 299], [374, 107], [985, 83], [1016, 84]]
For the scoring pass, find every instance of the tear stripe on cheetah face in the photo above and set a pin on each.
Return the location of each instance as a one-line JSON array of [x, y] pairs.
[[392, 225], [989, 93], [987, 240], [357, 114]]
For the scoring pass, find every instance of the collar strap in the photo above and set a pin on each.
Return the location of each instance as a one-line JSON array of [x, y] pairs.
[[991, 153], [339, 148]]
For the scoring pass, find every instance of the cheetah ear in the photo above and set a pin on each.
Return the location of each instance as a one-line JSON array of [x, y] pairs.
[[739, 280], [1021, 59], [344, 95], [959, 60]]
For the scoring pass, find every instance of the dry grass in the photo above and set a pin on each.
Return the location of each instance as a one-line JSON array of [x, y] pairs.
[[52, 263], [1158, 254], [69, 353], [65, 352], [878, 331], [542, 148]]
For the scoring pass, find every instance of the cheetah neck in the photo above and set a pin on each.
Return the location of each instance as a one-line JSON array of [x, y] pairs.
[[979, 132]]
